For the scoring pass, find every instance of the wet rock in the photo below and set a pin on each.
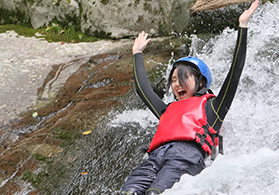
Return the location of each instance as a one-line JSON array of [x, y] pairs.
[[98, 18], [202, 5], [1, 181], [44, 149], [7, 139], [71, 106], [29, 63]]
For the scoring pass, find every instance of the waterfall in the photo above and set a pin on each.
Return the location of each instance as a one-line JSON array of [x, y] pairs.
[[251, 138], [251, 147]]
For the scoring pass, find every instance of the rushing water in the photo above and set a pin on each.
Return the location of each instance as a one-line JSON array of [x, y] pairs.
[[251, 147], [251, 138]]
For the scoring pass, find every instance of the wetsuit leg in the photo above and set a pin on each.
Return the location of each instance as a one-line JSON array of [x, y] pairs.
[[142, 177], [181, 158], [172, 172], [145, 174], [164, 167]]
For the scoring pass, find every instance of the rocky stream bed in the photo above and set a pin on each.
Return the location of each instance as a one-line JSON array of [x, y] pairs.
[[53, 92]]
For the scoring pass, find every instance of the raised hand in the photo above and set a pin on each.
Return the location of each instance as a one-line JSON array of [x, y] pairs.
[[140, 43], [247, 14]]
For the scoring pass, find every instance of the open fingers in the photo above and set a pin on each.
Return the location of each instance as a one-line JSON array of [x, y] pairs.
[[254, 6], [246, 15], [143, 35], [140, 42]]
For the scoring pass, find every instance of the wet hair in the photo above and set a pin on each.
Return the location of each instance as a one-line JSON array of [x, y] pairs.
[[184, 70]]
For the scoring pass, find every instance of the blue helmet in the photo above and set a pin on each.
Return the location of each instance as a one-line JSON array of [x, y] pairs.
[[205, 71]]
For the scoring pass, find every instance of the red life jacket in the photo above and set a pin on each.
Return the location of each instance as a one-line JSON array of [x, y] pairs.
[[185, 120]]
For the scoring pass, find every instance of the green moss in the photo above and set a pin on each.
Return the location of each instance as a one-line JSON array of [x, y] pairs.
[[52, 168], [31, 2], [68, 29], [34, 179], [140, 19], [60, 133], [162, 28], [53, 33], [104, 2], [85, 17], [162, 10], [102, 34], [137, 2], [68, 137], [29, 176], [56, 33], [147, 7], [20, 29], [70, 20], [40, 157], [215, 21], [158, 11], [14, 17]]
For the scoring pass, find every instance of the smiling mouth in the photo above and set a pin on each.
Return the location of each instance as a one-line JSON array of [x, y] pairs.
[[181, 93]]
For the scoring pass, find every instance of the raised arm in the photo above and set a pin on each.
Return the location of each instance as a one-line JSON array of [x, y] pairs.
[[221, 104], [145, 91]]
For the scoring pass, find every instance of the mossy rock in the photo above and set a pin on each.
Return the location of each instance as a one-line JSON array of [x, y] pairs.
[[215, 21]]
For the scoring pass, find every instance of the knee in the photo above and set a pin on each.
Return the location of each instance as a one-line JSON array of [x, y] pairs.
[[153, 191], [130, 192], [127, 193], [150, 191], [124, 193]]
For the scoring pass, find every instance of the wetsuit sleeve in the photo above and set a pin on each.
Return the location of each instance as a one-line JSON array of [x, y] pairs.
[[144, 89], [221, 104]]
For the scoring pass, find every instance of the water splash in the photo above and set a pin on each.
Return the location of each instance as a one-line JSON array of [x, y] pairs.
[[251, 145]]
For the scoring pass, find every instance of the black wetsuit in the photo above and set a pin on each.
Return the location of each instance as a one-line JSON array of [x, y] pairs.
[[160, 170]]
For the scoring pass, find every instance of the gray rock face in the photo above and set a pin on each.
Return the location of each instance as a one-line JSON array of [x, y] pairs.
[[117, 18], [25, 63]]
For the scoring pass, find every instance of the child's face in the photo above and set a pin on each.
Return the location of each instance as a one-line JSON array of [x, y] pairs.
[[180, 92]]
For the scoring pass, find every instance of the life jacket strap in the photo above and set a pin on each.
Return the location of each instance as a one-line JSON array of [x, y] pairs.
[[221, 149], [203, 141], [220, 146], [213, 136]]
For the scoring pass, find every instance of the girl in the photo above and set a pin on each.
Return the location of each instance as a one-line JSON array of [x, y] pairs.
[[188, 128]]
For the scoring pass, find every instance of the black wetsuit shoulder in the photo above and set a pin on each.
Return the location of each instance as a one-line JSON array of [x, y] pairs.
[[216, 108]]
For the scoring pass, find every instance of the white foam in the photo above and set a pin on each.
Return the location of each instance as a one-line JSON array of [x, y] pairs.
[[143, 117], [255, 173], [251, 160]]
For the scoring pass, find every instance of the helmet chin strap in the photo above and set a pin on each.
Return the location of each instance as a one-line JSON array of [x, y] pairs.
[[203, 91], [199, 87], [200, 79]]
